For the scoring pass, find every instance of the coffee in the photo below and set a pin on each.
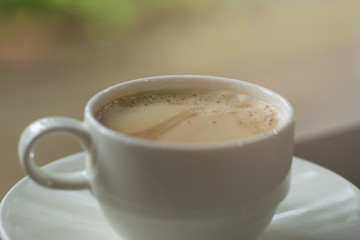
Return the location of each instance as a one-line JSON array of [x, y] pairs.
[[189, 115]]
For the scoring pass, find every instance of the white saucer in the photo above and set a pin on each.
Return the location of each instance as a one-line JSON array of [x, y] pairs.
[[320, 206]]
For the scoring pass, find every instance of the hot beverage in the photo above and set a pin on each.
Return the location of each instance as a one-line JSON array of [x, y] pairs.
[[189, 115]]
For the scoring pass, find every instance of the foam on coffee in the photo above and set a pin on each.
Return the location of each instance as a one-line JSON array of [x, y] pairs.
[[189, 115]]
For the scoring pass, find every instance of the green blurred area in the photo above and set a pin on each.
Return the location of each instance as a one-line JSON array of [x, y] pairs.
[[100, 19], [93, 15], [186, 34]]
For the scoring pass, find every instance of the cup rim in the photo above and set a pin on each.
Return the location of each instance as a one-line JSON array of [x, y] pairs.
[[90, 118]]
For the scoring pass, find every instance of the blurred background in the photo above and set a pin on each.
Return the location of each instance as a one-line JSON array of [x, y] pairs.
[[56, 54]]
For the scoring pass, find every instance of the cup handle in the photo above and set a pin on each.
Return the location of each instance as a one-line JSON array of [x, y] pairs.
[[39, 130]]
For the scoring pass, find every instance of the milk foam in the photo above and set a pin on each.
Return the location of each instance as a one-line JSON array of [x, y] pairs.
[[189, 115]]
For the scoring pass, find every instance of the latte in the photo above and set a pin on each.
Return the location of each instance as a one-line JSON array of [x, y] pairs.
[[189, 115]]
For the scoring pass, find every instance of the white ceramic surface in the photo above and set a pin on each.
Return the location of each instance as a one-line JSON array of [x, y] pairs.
[[154, 190], [320, 206]]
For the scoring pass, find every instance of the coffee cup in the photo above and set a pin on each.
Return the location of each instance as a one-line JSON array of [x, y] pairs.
[[158, 188]]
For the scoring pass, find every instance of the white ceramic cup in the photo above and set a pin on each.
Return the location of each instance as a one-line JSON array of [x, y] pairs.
[[166, 191]]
